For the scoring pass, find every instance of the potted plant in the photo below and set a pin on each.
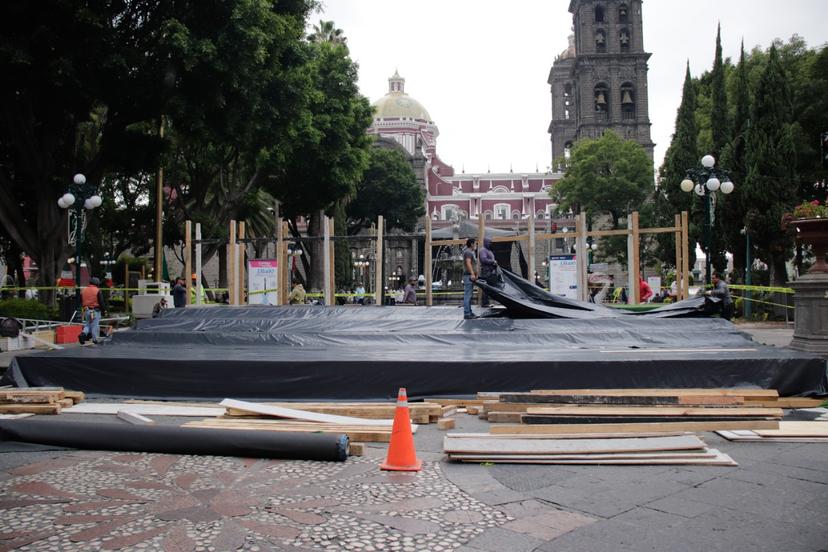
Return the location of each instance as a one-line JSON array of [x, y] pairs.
[[809, 223]]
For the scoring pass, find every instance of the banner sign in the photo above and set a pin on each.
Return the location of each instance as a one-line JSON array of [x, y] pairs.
[[262, 282], [563, 276]]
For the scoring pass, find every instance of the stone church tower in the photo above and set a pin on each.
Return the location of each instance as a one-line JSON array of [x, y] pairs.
[[600, 81]]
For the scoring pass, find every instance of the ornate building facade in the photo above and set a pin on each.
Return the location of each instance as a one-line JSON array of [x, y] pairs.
[[600, 81]]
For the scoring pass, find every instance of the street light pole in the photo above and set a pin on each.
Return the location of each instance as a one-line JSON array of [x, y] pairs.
[[748, 276], [705, 181], [81, 195]]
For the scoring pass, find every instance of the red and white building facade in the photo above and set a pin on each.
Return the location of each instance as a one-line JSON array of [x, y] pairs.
[[402, 122]]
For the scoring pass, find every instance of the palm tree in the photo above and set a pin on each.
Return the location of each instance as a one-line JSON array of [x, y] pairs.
[[326, 31]]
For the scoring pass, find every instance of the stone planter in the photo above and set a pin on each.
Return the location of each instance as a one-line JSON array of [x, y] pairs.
[[811, 299]]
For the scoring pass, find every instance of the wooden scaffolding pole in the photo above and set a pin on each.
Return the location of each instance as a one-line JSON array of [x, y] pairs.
[[685, 256], [328, 291], [281, 267], [379, 262], [635, 260], [581, 256], [428, 261], [232, 264], [679, 263], [481, 236], [531, 253], [240, 275], [199, 286], [188, 260]]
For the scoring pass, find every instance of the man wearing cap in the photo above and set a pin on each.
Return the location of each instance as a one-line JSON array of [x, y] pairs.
[[469, 276], [410, 297], [93, 304]]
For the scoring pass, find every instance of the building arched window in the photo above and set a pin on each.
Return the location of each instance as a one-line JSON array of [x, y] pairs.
[[567, 150], [488, 215], [600, 41], [627, 101], [623, 13], [449, 212], [624, 40], [501, 211], [601, 96], [599, 13]]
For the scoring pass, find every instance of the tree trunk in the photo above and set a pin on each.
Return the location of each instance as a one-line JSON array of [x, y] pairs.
[[316, 278]]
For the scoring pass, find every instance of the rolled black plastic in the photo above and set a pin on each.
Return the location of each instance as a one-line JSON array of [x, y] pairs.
[[177, 440]]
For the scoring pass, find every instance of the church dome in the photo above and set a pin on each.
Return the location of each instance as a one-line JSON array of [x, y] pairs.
[[399, 105]]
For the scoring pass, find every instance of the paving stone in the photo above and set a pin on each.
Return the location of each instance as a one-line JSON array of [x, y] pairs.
[[163, 462], [128, 541], [496, 496], [679, 505], [523, 508], [500, 540], [549, 525], [793, 472], [39, 488], [406, 525], [230, 537], [528, 477], [119, 494], [177, 540], [463, 516]]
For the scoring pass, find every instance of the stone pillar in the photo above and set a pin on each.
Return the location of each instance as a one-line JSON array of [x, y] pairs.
[[811, 301]]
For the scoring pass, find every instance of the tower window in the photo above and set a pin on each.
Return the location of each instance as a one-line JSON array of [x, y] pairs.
[[600, 41], [601, 95], [567, 150], [627, 101], [599, 13], [623, 13], [624, 40]]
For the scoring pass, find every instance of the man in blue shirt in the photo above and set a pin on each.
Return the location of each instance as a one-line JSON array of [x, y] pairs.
[[469, 276]]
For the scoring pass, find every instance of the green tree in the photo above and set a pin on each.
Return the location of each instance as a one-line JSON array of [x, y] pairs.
[[682, 154], [608, 176], [327, 31], [389, 188], [771, 182], [720, 136]]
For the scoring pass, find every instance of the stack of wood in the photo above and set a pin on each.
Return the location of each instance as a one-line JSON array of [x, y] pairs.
[[37, 400], [420, 412], [788, 432], [268, 417], [633, 410], [616, 449]]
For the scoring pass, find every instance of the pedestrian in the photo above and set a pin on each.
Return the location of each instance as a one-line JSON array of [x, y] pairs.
[[297, 294], [721, 291], [179, 293], [488, 268], [194, 289], [645, 292], [410, 295], [159, 306], [93, 305], [360, 294], [469, 276]]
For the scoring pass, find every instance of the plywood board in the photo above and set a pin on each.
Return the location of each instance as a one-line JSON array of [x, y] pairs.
[[145, 409], [570, 446], [296, 414], [721, 459], [628, 428], [662, 392], [570, 420], [566, 435], [30, 408], [653, 411], [618, 456], [796, 429]]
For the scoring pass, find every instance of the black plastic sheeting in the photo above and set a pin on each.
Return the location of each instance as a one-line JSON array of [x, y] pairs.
[[176, 440], [368, 353], [523, 299]]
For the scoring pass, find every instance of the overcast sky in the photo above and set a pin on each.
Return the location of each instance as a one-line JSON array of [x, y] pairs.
[[480, 66]]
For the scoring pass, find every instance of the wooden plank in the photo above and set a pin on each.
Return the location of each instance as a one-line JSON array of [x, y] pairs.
[[15, 416], [44, 398], [145, 409], [653, 411], [359, 411], [53, 408], [798, 402], [570, 420], [570, 446], [133, 418], [618, 456], [20, 393], [456, 402], [445, 423], [621, 400], [504, 417], [567, 435], [66, 403], [747, 393], [76, 396], [632, 428], [364, 434], [356, 449], [292, 413], [428, 260], [796, 429]]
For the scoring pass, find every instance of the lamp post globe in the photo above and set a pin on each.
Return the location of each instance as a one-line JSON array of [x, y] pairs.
[[81, 195], [708, 161]]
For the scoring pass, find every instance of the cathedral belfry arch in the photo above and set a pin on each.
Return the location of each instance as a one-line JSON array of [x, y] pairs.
[[600, 81]]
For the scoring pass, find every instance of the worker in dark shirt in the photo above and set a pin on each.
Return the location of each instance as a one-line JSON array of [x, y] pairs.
[[179, 293], [721, 291]]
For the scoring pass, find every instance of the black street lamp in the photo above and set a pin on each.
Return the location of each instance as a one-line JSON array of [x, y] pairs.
[[705, 181], [80, 198]]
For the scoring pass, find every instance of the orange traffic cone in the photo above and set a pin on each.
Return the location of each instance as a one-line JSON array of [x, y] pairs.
[[401, 454]]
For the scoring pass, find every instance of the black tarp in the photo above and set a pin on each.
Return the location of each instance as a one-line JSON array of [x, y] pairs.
[[364, 353], [176, 440]]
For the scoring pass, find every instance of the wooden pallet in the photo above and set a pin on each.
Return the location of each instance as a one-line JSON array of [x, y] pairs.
[[36, 400]]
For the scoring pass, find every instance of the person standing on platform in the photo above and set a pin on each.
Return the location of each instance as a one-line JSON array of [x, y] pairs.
[[179, 293], [721, 291], [410, 296], [469, 276], [488, 268], [93, 305]]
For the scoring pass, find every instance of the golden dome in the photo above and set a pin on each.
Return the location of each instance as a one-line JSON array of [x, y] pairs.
[[399, 105]]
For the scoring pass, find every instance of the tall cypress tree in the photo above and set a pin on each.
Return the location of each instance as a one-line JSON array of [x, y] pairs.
[[720, 134], [770, 158], [681, 155]]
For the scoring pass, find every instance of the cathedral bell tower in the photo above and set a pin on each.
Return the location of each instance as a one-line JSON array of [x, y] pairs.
[[600, 81]]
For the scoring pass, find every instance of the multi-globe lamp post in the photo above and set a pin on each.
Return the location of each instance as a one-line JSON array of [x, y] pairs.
[[81, 196], [705, 182]]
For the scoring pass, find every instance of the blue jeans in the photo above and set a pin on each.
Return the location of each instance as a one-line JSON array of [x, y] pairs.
[[92, 323], [468, 290]]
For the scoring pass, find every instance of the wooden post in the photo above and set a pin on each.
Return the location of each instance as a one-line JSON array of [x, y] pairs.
[[188, 260], [327, 292], [685, 256], [232, 264], [481, 236], [635, 260], [632, 282], [199, 286], [531, 255], [428, 261], [679, 263], [379, 263], [281, 268], [581, 256], [126, 286], [240, 275]]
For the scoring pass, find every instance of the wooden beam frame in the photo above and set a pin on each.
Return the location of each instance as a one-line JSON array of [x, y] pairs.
[[188, 260], [378, 283], [428, 261]]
